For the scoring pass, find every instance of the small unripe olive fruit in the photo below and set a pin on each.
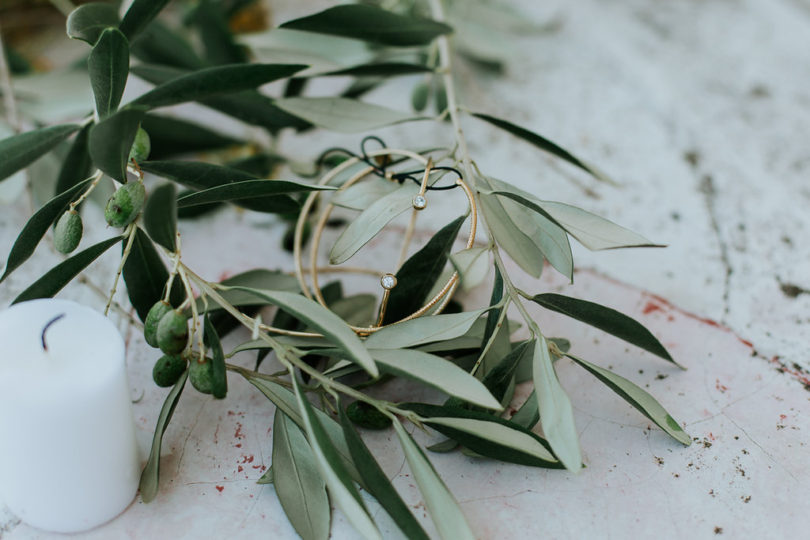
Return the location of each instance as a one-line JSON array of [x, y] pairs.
[[201, 375], [68, 232], [366, 416], [172, 332], [125, 204], [150, 324], [168, 369], [141, 146]]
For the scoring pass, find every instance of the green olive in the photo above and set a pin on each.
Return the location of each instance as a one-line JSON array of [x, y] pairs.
[[168, 369], [172, 332], [141, 146], [125, 204], [366, 416], [68, 232], [201, 375], [150, 324]]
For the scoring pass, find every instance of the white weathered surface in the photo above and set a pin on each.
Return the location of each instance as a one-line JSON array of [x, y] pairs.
[[697, 108]]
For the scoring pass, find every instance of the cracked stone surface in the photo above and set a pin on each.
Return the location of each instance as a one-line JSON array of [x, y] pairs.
[[699, 110]]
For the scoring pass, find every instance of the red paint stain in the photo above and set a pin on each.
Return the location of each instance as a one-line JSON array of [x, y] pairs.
[[711, 436], [262, 468], [240, 469], [720, 387], [651, 307], [246, 458], [782, 417], [216, 433], [238, 445], [220, 488], [238, 433]]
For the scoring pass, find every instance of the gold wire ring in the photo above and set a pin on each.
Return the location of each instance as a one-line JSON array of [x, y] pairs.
[[439, 300]]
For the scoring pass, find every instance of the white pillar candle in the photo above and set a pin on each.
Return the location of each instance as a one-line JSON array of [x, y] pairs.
[[68, 454]]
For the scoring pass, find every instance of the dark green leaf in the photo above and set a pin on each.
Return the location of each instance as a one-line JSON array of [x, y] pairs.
[[220, 47], [173, 136], [150, 477], [543, 144], [88, 21], [249, 189], [145, 276], [378, 69], [529, 413], [371, 24], [77, 164], [484, 433], [219, 376], [260, 165], [139, 15], [494, 299], [160, 215], [419, 273], [108, 66], [341, 488], [638, 398], [214, 81], [111, 140], [299, 486], [605, 319], [159, 44], [60, 275], [378, 483], [499, 378], [19, 151], [38, 225]]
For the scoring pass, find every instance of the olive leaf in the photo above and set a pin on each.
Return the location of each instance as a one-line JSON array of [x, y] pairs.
[[150, 477], [544, 144], [592, 231], [443, 508], [556, 412], [436, 372], [638, 398], [363, 194], [173, 136], [378, 483], [108, 67], [423, 330], [323, 320], [487, 435], [300, 488], [77, 164], [510, 238], [145, 276], [472, 266], [500, 377], [19, 151], [337, 478], [417, 276], [529, 413], [111, 140], [139, 15], [249, 189], [371, 24], [160, 216], [88, 21], [214, 81], [606, 319], [218, 41], [63, 273], [379, 69], [159, 44], [371, 221], [219, 378], [342, 114], [38, 225]]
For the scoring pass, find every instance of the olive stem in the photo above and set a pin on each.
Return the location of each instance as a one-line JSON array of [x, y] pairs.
[[130, 236], [96, 178]]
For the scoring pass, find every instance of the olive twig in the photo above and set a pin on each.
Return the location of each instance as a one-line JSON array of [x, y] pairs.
[[129, 234]]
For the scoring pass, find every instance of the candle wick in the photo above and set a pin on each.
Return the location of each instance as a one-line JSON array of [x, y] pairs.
[[45, 329]]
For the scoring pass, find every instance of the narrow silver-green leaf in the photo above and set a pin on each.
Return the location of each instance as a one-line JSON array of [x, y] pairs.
[[363, 194], [88, 21], [342, 114], [151, 473], [606, 319], [556, 412], [343, 492], [246, 189], [60, 275], [160, 215], [323, 320], [529, 413], [638, 398], [436, 372], [514, 241], [214, 81], [472, 266], [108, 67], [19, 151], [443, 508], [299, 486], [498, 434], [371, 221], [372, 24], [423, 330]]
